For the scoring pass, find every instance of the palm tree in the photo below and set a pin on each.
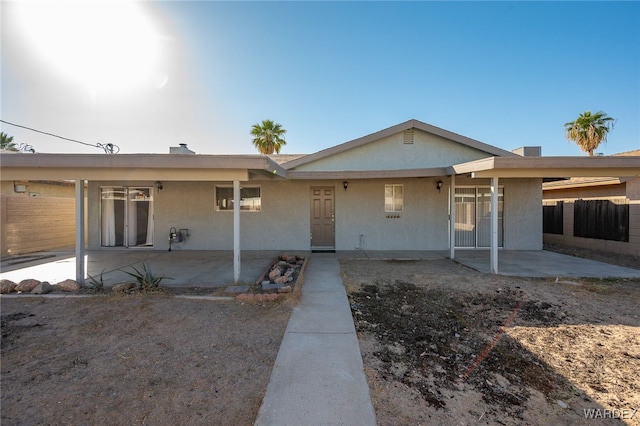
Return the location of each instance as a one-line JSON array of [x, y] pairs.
[[7, 143], [268, 137], [588, 130]]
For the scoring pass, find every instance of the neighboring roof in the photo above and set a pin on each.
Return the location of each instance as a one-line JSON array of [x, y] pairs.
[[285, 158], [580, 182], [407, 125], [634, 153], [550, 167]]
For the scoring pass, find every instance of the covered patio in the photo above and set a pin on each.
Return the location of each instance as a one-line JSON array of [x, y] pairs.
[[214, 269], [533, 167], [154, 169]]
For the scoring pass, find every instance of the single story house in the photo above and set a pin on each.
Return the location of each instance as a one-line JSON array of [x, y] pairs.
[[412, 186]]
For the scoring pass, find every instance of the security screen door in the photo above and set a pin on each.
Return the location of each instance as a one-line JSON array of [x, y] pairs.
[[473, 217]]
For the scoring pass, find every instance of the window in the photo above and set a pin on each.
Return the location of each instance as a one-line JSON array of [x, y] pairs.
[[250, 198], [126, 216], [393, 198]]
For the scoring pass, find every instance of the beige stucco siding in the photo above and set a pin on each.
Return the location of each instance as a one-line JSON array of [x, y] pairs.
[[522, 214], [391, 153], [421, 226], [284, 222]]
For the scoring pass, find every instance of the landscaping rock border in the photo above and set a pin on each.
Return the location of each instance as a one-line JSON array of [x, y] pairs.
[[284, 275]]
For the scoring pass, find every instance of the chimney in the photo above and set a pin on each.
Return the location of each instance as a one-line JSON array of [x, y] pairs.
[[528, 151], [182, 149]]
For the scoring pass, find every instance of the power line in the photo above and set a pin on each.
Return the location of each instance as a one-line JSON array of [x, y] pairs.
[[108, 148]]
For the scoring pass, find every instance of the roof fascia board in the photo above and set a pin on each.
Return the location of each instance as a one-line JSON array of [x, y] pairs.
[[367, 174], [156, 162], [407, 125], [130, 174], [490, 149], [541, 167], [171, 161]]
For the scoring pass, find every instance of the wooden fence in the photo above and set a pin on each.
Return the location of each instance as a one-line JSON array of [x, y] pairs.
[[553, 218], [601, 219]]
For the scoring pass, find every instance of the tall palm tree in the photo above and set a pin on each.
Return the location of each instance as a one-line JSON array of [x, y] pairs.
[[588, 130], [7, 143], [268, 137]]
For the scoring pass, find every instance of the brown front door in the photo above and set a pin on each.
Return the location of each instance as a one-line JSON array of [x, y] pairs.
[[322, 218]]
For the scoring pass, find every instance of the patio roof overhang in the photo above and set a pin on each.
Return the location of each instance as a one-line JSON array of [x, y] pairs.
[[549, 167], [169, 167]]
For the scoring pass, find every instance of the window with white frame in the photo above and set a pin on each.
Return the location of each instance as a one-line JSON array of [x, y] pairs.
[[250, 198], [393, 198]]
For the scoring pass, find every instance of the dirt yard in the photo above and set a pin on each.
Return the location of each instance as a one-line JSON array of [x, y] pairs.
[[137, 359], [445, 345], [442, 345]]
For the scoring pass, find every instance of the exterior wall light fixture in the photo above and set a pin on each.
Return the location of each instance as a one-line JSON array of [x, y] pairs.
[[158, 185], [345, 185], [439, 185]]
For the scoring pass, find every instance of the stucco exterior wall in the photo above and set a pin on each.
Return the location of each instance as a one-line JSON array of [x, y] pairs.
[[391, 153], [423, 225], [522, 214], [284, 222]]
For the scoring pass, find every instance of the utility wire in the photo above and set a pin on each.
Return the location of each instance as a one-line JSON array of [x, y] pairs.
[[108, 148]]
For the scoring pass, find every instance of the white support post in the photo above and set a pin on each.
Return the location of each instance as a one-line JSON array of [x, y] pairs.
[[80, 266], [236, 231], [452, 218], [494, 225]]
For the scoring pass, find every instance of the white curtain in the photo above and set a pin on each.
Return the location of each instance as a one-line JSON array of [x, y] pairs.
[[132, 220], [108, 219]]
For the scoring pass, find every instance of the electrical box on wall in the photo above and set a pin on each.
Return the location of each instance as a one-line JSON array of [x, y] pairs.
[[176, 236]]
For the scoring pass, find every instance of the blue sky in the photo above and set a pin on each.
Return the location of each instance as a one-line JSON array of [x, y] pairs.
[[506, 73]]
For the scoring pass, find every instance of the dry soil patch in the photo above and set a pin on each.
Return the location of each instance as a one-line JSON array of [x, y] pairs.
[[443, 344], [138, 359]]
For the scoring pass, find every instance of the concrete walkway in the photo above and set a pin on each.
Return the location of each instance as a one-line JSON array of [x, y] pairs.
[[318, 376]]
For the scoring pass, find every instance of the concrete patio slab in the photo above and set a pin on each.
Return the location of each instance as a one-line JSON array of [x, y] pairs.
[[543, 264], [192, 268], [213, 269]]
